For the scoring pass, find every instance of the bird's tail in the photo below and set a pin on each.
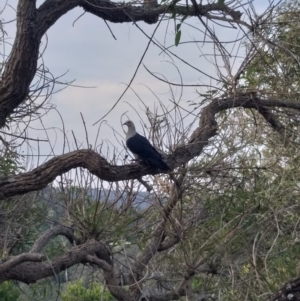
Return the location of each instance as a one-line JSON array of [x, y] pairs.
[[159, 163]]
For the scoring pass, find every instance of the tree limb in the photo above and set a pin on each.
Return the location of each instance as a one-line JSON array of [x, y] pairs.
[[21, 66], [120, 12], [100, 263], [42, 241], [50, 11], [30, 272], [44, 174], [288, 292], [168, 243], [16, 260]]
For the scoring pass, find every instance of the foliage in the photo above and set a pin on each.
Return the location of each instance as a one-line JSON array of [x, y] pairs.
[[10, 164], [275, 70], [9, 291], [78, 292]]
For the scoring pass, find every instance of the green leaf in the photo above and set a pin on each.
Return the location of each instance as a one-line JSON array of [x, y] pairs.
[[178, 27], [221, 2], [177, 38]]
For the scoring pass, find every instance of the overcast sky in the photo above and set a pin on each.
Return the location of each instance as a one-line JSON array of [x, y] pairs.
[[93, 58]]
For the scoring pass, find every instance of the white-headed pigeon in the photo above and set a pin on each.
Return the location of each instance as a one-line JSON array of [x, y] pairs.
[[142, 148]]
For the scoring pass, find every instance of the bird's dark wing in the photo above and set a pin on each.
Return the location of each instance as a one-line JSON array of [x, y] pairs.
[[140, 146]]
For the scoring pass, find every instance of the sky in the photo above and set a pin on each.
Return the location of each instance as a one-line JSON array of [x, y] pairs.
[[86, 52]]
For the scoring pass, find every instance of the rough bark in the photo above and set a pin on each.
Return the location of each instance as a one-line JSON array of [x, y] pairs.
[[30, 272], [21, 65], [288, 292], [12, 262]]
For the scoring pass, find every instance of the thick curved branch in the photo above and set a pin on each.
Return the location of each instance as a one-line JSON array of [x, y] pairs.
[[47, 172], [207, 118], [21, 65], [42, 241], [16, 260], [30, 272], [119, 12], [50, 11], [39, 177]]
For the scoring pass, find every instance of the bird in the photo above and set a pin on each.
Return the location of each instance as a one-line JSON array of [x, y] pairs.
[[142, 149]]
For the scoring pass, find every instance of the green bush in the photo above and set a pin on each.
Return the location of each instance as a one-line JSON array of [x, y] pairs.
[[9, 291], [77, 292]]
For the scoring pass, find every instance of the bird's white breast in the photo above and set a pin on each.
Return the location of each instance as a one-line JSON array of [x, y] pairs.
[[130, 133]]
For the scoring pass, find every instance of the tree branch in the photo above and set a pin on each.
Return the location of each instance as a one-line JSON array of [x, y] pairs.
[[32, 272], [111, 277], [100, 263], [16, 260], [50, 11], [41, 242], [120, 12], [39, 177], [168, 243], [21, 65], [288, 292]]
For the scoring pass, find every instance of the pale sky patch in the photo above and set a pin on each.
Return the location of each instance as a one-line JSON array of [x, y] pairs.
[[89, 54]]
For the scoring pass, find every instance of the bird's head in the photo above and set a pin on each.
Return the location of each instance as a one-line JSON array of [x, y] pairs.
[[130, 124]]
